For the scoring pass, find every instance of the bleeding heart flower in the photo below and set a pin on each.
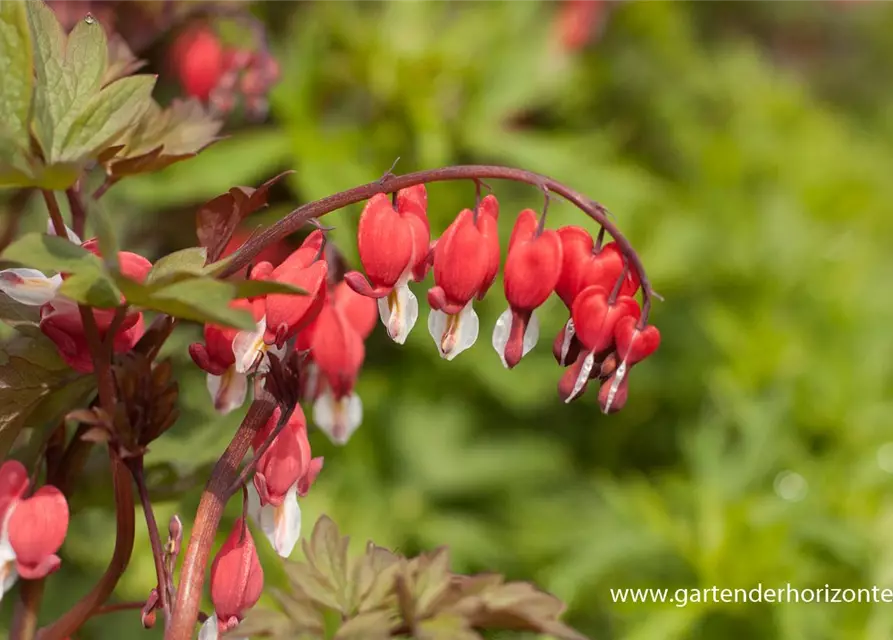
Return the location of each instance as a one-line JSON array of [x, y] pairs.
[[635, 344], [466, 259], [285, 472], [335, 346], [61, 322], [228, 386], [237, 581], [393, 247], [595, 317], [584, 265], [532, 269], [36, 528], [287, 314]]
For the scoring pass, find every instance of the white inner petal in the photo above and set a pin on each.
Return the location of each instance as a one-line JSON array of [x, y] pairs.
[[583, 377], [29, 286], [228, 391], [619, 375], [208, 630], [501, 334], [503, 329], [51, 230], [569, 333], [8, 573], [281, 525], [453, 334], [338, 419], [247, 344], [399, 311], [531, 334]]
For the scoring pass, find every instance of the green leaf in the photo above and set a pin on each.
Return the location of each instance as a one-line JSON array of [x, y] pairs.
[[189, 261], [22, 317], [105, 233], [252, 288], [17, 79], [51, 253], [92, 287], [54, 94], [75, 117], [30, 370], [196, 299], [105, 117]]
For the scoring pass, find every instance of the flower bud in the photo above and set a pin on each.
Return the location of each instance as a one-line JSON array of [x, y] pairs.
[[237, 579]]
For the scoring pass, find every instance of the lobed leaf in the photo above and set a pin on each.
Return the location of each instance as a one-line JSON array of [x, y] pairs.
[[190, 262], [30, 373], [51, 253], [163, 137], [17, 79], [198, 299], [217, 219]]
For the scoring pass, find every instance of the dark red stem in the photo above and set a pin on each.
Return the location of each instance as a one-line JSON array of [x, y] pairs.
[[136, 469]]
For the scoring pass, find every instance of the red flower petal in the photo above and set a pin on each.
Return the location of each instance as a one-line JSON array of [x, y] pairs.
[[37, 529], [237, 579]]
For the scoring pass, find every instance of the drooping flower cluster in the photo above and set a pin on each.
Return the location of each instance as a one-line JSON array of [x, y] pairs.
[[328, 326], [60, 317], [602, 339], [32, 528], [595, 283]]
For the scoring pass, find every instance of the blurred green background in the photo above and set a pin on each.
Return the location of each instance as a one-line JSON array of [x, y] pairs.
[[745, 149]]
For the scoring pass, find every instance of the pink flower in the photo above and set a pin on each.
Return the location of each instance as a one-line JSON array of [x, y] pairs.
[[61, 322], [285, 471], [582, 266], [336, 349], [31, 529], [594, 316], [393, 247], [227, 385], [466, 260], [532, 268], [237, 581]]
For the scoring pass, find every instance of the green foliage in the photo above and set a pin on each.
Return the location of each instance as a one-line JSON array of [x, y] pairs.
[[75, 117], [744, 148], [383, 595], [36, 387]]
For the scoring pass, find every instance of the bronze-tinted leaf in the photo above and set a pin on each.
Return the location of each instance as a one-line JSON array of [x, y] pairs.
[[162, 137], [327, 553], [375, 625], [431, 581], [217, 219], [372, 584], [445, 627], [517, 606], [308, 581], [302, 613], [260, 622]]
